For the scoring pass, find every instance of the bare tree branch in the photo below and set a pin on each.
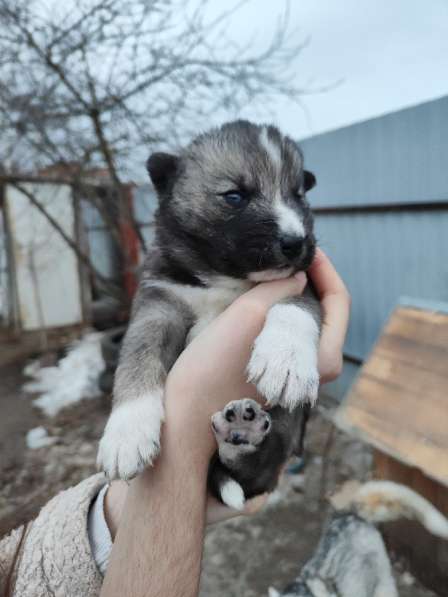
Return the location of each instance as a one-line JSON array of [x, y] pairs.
[[100, 82]]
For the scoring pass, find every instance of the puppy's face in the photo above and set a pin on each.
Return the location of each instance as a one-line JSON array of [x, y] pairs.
[[235, 198]]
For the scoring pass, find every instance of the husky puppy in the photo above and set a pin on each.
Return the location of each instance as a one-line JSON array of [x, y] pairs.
[[232, 212], [351, 559]]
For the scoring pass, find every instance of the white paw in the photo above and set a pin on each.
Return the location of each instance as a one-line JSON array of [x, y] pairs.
[[283, 364], [131, 439]]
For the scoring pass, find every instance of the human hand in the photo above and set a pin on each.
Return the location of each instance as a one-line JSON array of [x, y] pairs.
[[218, 512], [335, 301]]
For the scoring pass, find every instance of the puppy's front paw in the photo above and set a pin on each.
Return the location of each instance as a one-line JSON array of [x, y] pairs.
[[283, 364], [131, 439]]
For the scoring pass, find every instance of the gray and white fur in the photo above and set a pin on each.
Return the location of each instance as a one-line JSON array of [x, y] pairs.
[[351, 559], [232, 212]]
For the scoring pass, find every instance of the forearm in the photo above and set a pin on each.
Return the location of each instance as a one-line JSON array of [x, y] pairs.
[[158, 547]]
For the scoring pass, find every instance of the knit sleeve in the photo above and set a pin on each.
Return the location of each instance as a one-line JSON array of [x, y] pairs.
[[52, 555], [10, 547]]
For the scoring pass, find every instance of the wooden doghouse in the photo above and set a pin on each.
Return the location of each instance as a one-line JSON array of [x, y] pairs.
[[399, 405]]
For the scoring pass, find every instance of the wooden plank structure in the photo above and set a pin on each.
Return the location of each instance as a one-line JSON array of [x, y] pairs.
[[399, 404]]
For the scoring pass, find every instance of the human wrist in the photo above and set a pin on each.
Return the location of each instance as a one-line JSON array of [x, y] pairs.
[[114, 500], [188, 426]]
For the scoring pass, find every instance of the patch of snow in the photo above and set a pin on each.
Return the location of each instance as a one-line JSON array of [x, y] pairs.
[[75, 376], [38, 438]]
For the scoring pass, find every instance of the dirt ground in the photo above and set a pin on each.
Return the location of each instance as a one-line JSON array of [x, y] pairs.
[[29, 478], [243, 557]]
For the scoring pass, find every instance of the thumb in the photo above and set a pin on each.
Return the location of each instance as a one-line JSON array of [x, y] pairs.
[[269, 293]]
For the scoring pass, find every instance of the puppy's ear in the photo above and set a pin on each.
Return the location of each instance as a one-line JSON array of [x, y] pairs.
[[309, 180], [162, 168]]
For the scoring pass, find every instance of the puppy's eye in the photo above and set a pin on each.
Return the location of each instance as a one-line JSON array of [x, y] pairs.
[[298, 193], [234, 198]]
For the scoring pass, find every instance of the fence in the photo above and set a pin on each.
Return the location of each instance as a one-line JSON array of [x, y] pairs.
[[381, 208]]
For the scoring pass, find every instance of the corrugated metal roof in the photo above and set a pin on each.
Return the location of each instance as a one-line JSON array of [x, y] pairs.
[[401, 157]]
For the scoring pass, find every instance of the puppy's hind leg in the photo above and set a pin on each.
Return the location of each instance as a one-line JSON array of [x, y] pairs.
[[222, 485], [240, 428], [253, 447]]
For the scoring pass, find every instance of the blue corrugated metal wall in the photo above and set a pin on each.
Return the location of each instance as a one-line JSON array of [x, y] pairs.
[[397, 158], [381, 209]]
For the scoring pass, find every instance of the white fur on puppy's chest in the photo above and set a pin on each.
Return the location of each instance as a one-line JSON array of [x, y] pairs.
[[207, 302]]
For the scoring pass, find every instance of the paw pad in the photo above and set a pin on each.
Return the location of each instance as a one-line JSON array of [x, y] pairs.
[[241, 423]]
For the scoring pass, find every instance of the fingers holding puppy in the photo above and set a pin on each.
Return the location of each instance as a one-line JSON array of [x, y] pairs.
[[335, 300]]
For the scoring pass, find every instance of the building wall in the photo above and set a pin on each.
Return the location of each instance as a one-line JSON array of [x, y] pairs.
[[397, 158], [90, 227], [381, 207]]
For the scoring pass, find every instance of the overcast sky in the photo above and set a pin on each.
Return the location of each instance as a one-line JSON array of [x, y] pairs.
[[389, 53]]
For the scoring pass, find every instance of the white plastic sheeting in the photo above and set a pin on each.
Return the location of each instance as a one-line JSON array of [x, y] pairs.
[[45, 267]]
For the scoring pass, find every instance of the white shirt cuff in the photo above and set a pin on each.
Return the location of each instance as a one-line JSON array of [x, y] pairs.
[[99, 534]]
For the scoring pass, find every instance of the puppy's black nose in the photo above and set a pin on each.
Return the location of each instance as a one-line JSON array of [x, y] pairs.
[[291, 245]]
